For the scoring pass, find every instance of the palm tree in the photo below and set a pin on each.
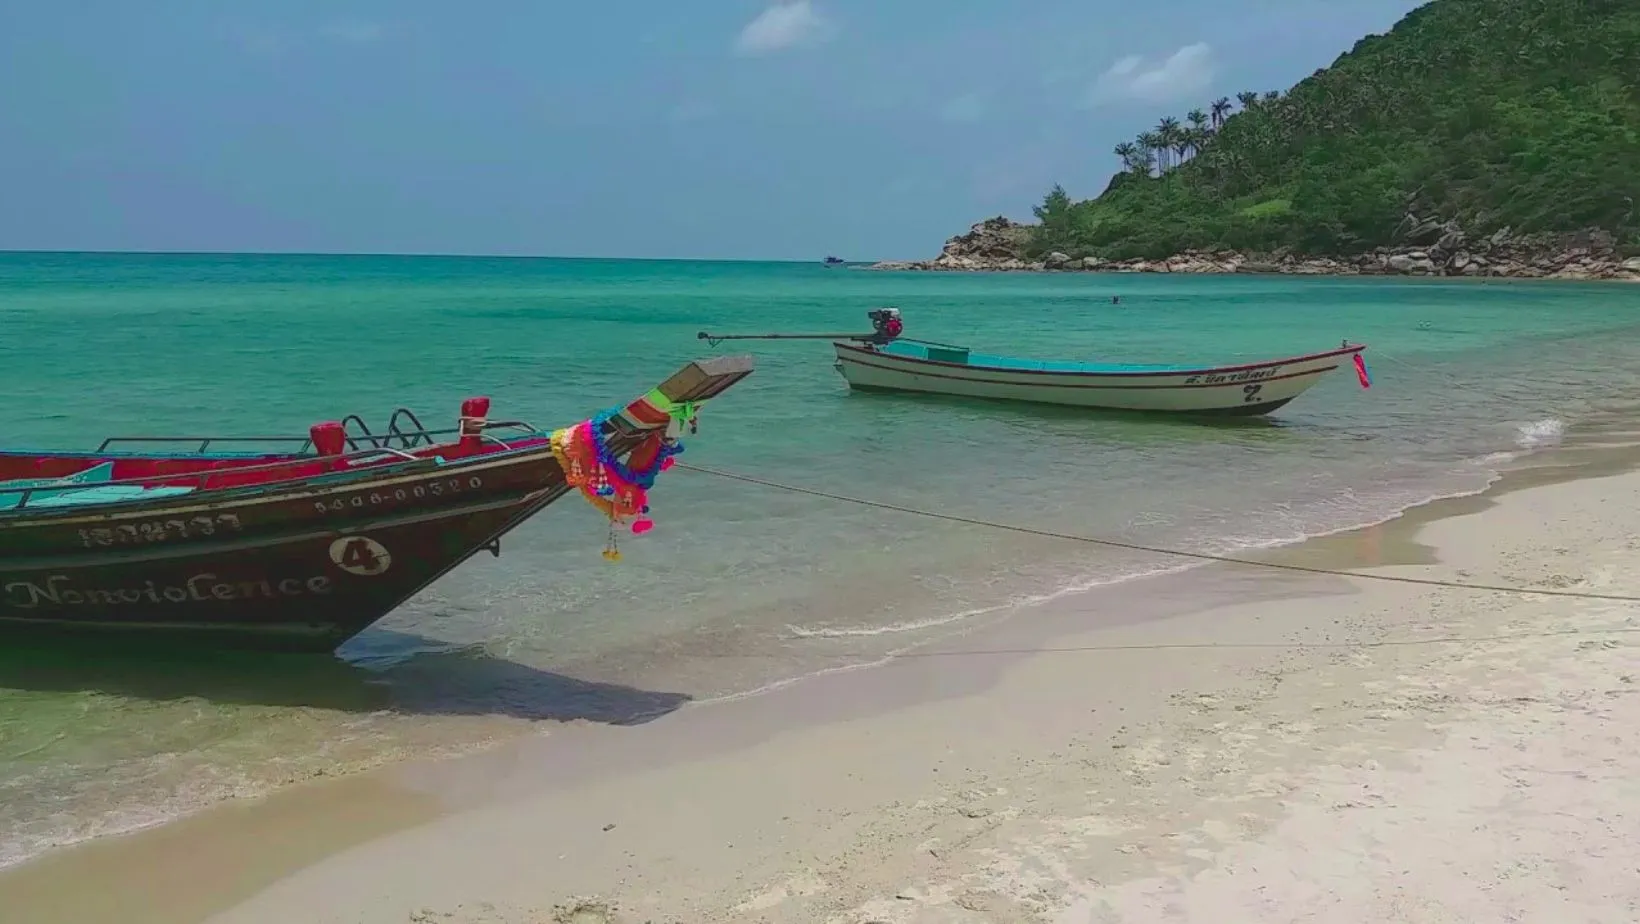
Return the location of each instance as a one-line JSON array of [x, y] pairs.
[[1167, 133], [1220, 112], [1198, 130], [1126, 151], [1234, 166], [1151, 143], [1271, 96], [1248, 99], [1144, 161], [1200, 140]]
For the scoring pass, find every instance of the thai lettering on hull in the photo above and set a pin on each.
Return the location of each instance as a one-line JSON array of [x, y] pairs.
[[1231, 378], [205, 587], [160, 530]]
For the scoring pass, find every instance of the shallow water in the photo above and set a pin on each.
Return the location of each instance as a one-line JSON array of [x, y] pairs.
[[740, 586]]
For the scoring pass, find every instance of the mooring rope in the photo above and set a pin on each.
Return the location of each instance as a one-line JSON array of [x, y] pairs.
[[1155, 550], [1276, 646]]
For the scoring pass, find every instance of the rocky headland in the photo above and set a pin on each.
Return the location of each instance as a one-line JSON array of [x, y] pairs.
[[1429, 248], [1473, 139]]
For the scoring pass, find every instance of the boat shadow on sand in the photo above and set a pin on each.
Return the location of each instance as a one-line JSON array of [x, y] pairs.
[[432, 682]]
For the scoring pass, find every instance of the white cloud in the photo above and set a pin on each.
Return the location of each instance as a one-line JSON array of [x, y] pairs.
[[352, 31], [1185, 72], [970, 107], [786, 24]]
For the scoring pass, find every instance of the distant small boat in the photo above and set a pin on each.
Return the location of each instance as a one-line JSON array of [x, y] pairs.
[[835, 261], [1245, 390], [881, 361]]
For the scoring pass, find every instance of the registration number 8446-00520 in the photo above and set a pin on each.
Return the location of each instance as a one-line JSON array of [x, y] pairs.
[[443, 487]]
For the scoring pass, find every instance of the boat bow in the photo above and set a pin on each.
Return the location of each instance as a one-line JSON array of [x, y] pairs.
[[282, 553]]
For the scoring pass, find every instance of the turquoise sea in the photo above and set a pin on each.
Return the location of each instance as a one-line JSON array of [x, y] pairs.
[[740, 587]]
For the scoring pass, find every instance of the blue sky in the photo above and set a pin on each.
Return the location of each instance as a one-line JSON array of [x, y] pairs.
[[712, 129]]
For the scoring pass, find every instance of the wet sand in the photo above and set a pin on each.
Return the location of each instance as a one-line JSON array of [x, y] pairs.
[[1229, 744]]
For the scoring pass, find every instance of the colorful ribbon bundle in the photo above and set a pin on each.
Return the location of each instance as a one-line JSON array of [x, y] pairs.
[[621, 489]]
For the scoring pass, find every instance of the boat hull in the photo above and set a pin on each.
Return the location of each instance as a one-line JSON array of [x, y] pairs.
[[301, 564], [1245, 390], [303, 568], [255, 514], [307, 591]]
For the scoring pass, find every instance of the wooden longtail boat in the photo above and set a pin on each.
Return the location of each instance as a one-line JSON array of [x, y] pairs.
[[882, 361], [300, 549]]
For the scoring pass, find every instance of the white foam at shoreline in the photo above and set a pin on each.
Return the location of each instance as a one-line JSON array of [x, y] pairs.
[[1015, 604], [893, 628]]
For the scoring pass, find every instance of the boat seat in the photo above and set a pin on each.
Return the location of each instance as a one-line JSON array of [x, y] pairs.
[[87, 487], [101, 494]]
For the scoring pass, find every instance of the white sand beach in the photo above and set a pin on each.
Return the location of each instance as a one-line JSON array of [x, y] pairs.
[[1321, 749]]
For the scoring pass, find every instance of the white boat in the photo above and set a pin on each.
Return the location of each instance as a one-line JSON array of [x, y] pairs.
[[1242, 390], [882, 361]]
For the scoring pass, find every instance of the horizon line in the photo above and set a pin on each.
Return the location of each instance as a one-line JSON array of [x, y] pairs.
[[419, 254]]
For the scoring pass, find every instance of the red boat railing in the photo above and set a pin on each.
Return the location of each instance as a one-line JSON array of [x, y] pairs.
[[201, 481], [355, 441], [374, 454], [696, 382]]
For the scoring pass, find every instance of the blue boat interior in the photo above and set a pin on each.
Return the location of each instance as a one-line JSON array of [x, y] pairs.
[[220, 455], [962, 356], [92, 486], [87, 487]]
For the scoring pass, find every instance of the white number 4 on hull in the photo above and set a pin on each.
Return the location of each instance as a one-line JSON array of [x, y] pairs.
[[360, 555]]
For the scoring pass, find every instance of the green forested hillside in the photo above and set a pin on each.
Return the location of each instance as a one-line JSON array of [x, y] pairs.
[[1490, 113]]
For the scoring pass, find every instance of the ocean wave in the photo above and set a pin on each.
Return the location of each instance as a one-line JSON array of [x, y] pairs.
[[1232, 547], [893, 628], [1540, 433]]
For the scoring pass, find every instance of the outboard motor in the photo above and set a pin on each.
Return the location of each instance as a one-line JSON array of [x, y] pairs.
[[886, 325]]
